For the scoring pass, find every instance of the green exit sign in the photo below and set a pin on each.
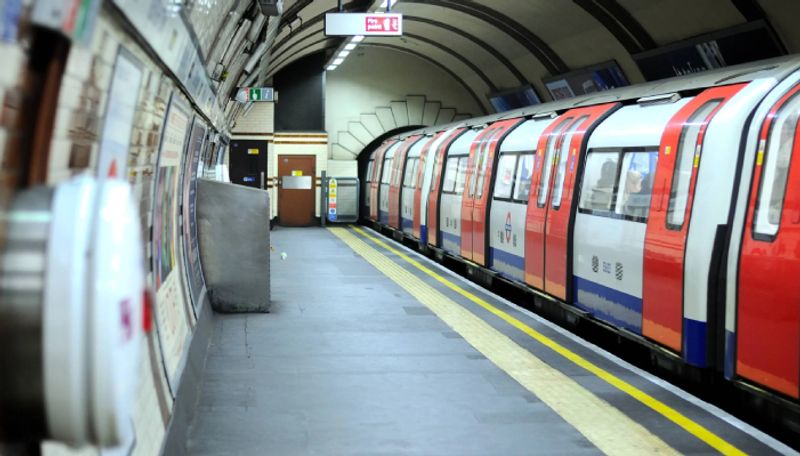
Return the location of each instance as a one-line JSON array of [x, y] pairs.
[[248, 94]]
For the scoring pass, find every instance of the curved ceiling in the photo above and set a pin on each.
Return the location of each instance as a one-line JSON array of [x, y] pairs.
[[500, 44]]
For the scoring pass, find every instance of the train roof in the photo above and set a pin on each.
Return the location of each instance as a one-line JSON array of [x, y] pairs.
[[777, 68]]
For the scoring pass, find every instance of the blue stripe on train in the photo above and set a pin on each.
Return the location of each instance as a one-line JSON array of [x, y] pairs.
[[406, 224], [609, 305], [383, 217], [507, 264], [423, 234], [694, 342], [451, 243]]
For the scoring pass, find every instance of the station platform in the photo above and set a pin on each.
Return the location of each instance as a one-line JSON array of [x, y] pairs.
[[373, 349]]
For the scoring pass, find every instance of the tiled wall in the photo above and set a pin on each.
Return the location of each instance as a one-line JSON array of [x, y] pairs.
[[81, 108]]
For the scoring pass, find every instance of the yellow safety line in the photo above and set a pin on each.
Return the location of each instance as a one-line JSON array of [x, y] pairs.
[[605, 426], [698, 430]]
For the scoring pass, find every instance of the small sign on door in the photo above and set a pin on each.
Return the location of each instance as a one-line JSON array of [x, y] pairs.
[[297, 172]]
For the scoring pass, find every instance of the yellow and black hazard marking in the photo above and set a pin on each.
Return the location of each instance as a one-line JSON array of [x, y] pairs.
[[611, 430]]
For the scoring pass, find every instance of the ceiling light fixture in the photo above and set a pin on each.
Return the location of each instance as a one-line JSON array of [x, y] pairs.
[[338, 61], [344, 54], [350, 46], [331, 67], [357, 39]]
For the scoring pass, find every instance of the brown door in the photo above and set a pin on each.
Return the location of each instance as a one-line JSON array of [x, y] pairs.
[[296, 189]]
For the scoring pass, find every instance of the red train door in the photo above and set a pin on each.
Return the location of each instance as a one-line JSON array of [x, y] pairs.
[[436, 188], [668, 224], [423, 158], [567, 163], [482, 184], [768, 311], [377, 170], [537, 212], [477, 153], [396, 187]]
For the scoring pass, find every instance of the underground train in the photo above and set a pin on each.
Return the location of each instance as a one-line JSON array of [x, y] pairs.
[[668, 210]]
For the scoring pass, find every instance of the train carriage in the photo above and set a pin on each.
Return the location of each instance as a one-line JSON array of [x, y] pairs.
[[668, 210]]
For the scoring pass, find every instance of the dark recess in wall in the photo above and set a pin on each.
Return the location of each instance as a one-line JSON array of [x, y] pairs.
[[301, 95]]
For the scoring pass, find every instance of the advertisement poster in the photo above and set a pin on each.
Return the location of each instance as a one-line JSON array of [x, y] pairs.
[[595, 78], [172, 321], [120, 112], [194, 270]]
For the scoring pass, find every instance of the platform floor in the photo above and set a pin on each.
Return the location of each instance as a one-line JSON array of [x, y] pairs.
[[373, 349]]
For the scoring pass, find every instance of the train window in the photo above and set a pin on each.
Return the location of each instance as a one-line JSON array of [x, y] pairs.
[[450, 170], [561, 162], [387, 170], [684, 164], [547, 165], [522, 187], [505, 176], [461, 176], [599, 186], [636, 184], [775, 173]]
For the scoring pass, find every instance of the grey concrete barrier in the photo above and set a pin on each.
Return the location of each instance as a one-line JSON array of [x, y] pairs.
[[233, 229]]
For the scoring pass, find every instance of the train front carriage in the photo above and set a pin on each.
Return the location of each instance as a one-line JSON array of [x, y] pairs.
[[452, 190]]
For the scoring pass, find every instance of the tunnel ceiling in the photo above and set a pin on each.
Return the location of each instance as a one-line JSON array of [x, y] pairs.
[[492, 45], [499, 44]]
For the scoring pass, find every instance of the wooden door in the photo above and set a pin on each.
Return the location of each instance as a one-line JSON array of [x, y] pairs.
[[768, 314], [248, 161], [296, 189], [670, 213]]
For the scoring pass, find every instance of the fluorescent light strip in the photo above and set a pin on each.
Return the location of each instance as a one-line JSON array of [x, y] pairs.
[[350, 46], [357, 39], [338, 61], [344, 54]]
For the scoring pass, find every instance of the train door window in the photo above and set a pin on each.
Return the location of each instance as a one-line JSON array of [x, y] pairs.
[[370, 170], [522, 186], [411, 173], [547, 165], [561, 159], [479, 159], [684, 164], [778, 151], [387, 170], [461, 175], [636, 184], [450, 170], [599, 186], [485, 162], [505, 176]]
